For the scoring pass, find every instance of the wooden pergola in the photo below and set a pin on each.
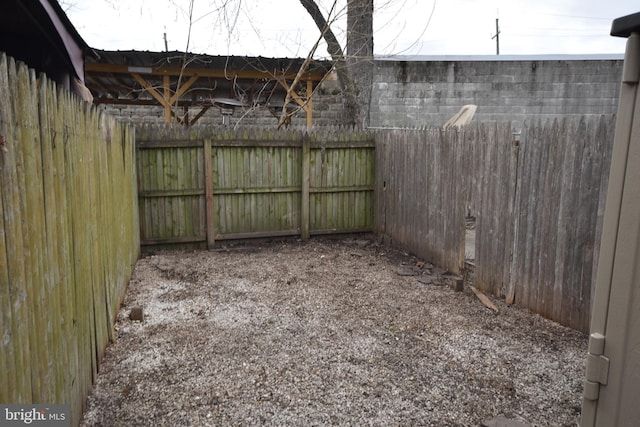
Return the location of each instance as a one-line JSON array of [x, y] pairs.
[[175, 80]]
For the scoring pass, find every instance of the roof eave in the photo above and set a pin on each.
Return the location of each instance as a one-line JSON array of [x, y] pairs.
[[74, 45]]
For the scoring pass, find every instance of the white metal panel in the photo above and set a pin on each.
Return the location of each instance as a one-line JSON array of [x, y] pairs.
[[612, 385]]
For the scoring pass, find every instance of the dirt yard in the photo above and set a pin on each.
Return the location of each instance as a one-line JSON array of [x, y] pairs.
[[327, 332]]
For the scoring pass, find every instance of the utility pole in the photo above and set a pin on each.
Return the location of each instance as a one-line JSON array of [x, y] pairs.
[[497, 37]]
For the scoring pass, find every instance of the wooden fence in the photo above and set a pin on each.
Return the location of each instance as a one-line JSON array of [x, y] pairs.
[[69, 213], [555, 219], [538, 201], [202, 185], [69, 240], [537, 198], [420, 194]]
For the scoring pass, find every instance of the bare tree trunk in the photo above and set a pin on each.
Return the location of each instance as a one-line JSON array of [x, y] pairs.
[[360, 55], [339, 61]]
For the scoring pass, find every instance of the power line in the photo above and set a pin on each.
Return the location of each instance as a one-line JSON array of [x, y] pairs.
[[528, 13], [577, 17], [607, 36], [592, 29]]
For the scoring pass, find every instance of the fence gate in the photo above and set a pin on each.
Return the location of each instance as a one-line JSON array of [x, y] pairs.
[[613, 366], [234, 185]]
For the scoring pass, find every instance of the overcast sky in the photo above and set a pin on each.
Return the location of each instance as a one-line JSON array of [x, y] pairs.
[[282, 28]]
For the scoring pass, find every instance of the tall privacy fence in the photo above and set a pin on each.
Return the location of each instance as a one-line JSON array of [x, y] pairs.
[[538, 198], [69, 238], [202, 185], [550, 228]]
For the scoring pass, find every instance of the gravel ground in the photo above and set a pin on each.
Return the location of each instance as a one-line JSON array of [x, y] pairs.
[[326, 332]]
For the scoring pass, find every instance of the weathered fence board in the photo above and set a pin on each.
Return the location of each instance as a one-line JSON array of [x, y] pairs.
[[260, 184], [171, 189], [563, 169], [493, 155], [420, 194], [69, 240], [256, 189]]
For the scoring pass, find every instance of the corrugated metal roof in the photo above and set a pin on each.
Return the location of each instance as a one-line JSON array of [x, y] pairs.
[[204, 61]]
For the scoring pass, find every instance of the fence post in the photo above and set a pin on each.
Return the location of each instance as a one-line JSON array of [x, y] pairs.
[[208, 188], [304, 209]]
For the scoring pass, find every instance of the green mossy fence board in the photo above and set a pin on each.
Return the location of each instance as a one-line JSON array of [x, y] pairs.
[[11, 244], [172, 191], [69, 232], [15, 240], [7, 358], [54, 248], [257, 184]]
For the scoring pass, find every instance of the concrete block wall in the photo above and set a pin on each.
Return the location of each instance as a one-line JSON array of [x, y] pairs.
[[427, 92], [327, 110], [409, 93]]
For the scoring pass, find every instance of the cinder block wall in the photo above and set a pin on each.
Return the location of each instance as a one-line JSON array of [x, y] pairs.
[[420, 92], [425, 93], [327, 110]]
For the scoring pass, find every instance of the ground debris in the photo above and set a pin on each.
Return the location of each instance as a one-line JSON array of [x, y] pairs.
[[406, 272], [136, 314], [304, 333], [484, 300], [504, 422], [427, 279]]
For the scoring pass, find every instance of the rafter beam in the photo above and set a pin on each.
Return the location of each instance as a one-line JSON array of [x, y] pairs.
[[147, 101], [94, 67]]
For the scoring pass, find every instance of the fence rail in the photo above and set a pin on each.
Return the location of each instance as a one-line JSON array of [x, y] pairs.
[[68, 219], [202, 186]]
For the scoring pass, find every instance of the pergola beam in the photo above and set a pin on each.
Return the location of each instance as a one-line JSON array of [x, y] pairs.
[[152, 91], [166, 82], [306, 105], [94, 67], [183, 88]]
